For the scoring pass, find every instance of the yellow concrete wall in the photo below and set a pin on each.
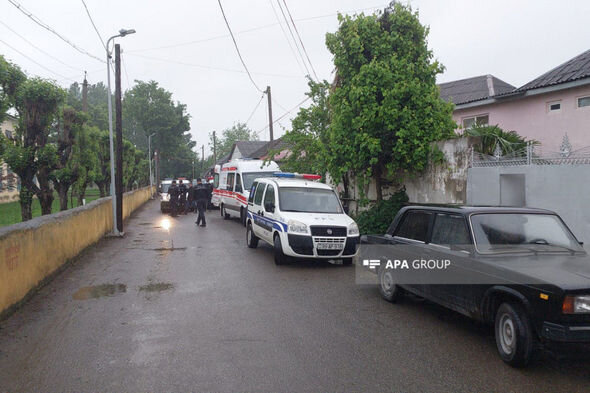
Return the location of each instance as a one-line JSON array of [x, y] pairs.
[[33, 250]]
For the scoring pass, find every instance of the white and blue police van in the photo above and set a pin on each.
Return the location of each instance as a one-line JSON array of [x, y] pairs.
[[301, 218]]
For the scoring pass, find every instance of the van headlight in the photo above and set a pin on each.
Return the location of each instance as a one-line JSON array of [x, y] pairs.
[[353, 229], [576, 304], [297, 227]]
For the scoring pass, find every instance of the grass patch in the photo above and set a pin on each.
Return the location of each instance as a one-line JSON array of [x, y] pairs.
[[10, 212]]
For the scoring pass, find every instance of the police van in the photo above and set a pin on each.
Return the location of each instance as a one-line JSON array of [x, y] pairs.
[[301, 218], [232, 182]]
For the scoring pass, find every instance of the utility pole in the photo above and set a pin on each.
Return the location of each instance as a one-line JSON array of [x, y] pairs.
[[202, 160], [150, 162], [85, 94], [119, 132], [214, 149], [157, 164], [193, 178], [269, 112]]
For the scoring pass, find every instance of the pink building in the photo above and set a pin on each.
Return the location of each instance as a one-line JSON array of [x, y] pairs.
[[546, 109]]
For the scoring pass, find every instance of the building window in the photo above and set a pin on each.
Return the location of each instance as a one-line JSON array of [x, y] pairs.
[[583, 101], [554, 106], [479, 120]]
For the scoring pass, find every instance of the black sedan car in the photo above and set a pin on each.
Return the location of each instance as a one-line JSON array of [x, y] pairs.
[[520, 269]]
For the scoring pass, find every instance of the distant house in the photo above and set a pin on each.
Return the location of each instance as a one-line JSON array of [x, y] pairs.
[[276, 145], [245, 149], [9, 181], [546, 109]]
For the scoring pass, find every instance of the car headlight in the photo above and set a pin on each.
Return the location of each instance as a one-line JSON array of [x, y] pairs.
[[297, 227], [576, 304], [353, 229]]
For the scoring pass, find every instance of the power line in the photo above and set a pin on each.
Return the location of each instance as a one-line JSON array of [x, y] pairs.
[[237, 49], [126, 74], [293, 37], [283, 115], [39, 64], [300, 40], [93, 25], [286, 37], [209, 67], [48, 28], [39, 49], [254, 110]]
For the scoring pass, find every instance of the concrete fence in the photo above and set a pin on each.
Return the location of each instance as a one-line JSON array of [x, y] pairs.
[[31, 251]]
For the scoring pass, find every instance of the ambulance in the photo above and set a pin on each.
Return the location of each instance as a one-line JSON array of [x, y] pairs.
[[232, 182]]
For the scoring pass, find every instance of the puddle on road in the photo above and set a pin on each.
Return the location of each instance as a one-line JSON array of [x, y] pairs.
[[156, 287], [97, 291]]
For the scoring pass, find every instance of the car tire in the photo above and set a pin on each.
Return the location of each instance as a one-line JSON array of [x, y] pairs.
[[251, 238], [221, 210], [243, 216], [347, 261], [279, 255], [224, 213], [388, 289], [514, 335]]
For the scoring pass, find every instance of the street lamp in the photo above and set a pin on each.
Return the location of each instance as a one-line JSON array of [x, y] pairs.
[[150, 161], [122, 33]]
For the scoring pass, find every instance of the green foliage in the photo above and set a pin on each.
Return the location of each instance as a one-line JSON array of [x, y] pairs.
[[385, 105], [491, 136], [377, 219], [236, 133], [11, 78], [308, 138]]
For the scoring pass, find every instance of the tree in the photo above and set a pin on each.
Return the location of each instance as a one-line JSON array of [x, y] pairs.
[[308, 138], [86, 148], [385, 104], [229, 136], [492, 136], [29, 154], [67, 168], [11, 77], [102, 176], [149, 109]]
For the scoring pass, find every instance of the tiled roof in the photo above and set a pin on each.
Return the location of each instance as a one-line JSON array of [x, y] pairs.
[[272, 145], [248, 147], [473, 89], [572, 70]]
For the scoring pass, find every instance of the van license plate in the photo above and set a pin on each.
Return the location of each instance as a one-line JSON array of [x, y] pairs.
[[329, 246]]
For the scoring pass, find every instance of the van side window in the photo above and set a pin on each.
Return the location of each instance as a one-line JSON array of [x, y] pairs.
[[252, 190], [216, 181], [238, 187], [230, 181], [449, 229], [259, 193], [414, 225]]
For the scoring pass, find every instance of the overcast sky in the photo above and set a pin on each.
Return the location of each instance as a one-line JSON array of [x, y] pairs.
[[185, 46]]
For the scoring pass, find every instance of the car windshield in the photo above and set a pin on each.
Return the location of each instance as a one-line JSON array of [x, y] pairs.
[[164, 188], [308, 200], [508, 232], [248, 178]]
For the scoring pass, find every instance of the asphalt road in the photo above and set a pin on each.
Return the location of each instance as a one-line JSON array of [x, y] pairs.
[[212, 315]]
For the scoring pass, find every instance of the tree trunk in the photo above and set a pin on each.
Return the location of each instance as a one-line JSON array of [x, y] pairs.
[[378, 183], [101, 189], [26, 201], [82, 193], [62, 190]]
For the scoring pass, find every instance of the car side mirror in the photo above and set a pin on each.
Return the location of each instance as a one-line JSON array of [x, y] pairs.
[[269, 207], [581, 243]]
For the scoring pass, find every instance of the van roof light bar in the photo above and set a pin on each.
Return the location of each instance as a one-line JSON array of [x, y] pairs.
[[291, 175]]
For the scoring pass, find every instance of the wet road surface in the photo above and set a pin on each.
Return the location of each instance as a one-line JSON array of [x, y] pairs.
[[193, 309]]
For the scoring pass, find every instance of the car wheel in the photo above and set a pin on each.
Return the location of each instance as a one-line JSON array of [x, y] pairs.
[[280, 257], [251, 238], [514, 336], [388, 288], [347, 261], [221, 209], [224, 213]]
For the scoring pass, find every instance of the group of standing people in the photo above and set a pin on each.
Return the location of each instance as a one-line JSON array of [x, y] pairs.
[[182, 198]]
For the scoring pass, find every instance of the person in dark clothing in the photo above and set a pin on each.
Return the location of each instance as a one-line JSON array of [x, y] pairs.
[[189, 197], [173, 198], [182, 197], [201, 195]]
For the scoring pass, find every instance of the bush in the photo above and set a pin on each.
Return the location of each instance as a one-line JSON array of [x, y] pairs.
[[377, 219]]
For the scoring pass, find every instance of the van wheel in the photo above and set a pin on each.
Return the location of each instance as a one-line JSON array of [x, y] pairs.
[[514, 336], [221, 210], [251, 238], [224, 213], [243, 216], [388, 289], [280, 257]]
